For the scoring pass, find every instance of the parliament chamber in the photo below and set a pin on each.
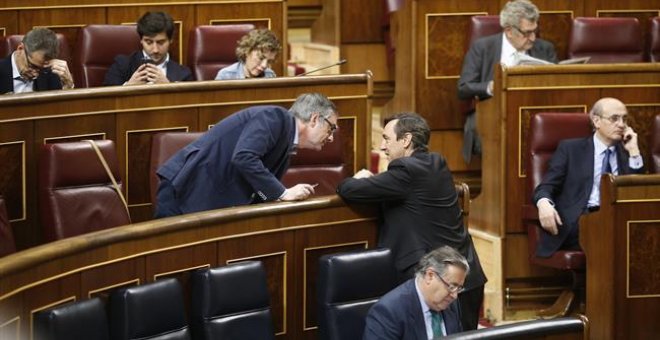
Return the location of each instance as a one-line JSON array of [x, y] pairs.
[[402, 55]]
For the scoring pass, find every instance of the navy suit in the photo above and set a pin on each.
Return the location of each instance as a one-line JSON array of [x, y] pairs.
[[46, 80], [124, 66], [398, 315], [238, 162], [568, 183]]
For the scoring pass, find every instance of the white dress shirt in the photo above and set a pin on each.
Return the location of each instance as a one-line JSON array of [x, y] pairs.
[[21, 85], [426, 311]]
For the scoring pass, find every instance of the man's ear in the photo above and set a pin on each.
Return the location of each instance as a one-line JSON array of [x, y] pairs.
[[407, 139], [314, 119]]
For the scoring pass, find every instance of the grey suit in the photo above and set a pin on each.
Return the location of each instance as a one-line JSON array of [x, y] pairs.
[[478, 68]]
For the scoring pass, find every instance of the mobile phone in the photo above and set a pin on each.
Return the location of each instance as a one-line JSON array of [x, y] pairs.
[[147, 60]]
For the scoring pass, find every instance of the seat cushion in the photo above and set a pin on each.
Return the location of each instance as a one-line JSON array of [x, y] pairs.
[[78, 320]]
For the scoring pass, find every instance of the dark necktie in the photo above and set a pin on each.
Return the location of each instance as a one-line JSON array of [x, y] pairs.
[[436, 324], [606, 168]]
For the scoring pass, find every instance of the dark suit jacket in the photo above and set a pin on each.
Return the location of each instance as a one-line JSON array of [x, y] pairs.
[[239, 161], [419, 209], [481, 58], [568, 182], [398, 315], [46, 80], [124, 67]]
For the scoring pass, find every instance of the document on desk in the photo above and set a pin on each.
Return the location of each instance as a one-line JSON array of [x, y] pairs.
[[524, 59]]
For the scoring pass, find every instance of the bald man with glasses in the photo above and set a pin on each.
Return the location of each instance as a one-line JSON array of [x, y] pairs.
[[425, 306], [34, 65], [520, 28], [571, 186]]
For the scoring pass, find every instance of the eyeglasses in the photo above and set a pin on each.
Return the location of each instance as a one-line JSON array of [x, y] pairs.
[[527, 34], [333, 127], [452, 288], [616, 118], [29, 63]]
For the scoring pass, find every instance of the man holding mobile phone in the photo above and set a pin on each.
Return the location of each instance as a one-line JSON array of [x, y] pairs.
[[152, 64], [571, 186], [34, 65]]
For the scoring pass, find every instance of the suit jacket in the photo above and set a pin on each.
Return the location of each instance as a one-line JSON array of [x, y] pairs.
[[239, 161], [398, 315], [420, 211], [483, 55], [568, 183], [124, 67], [46, 80]]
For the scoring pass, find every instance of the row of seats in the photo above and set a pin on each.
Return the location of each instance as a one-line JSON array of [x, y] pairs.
[[605, 40], [76, 195], [230, 302], [212, 48]]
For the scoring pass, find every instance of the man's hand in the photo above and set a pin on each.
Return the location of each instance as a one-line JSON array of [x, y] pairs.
[[548, 216], [298, 192], [155, 75], [61, 69], [630, 141], [364, 173], [139, 76]]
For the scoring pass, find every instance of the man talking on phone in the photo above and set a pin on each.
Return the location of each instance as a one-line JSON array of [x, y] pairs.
[[571, 186], [152, 64]]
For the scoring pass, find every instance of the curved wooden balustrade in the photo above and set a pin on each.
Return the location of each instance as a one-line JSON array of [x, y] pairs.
[[288, 237]]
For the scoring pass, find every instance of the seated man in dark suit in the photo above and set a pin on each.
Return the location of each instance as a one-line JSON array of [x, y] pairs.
[[519, 21], [571, 185], [152, 64], [423, 307], [243, 157], [34, 65]]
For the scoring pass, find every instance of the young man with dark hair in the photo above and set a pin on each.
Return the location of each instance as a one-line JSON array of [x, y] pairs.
[[34, 65], [152, 64]]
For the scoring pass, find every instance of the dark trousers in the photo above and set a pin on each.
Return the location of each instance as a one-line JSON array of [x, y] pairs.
[[471, 301]]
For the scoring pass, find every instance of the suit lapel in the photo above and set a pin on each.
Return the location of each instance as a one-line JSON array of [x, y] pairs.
[[7, 84]]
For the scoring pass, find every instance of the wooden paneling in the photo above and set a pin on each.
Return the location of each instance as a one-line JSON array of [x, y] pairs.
[[623, 259], [130, 116], [288, 237]]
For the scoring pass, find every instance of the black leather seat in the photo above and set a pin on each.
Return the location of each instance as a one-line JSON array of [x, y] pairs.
[[76, 320], [349, 284], [231, 302], [152, 311]]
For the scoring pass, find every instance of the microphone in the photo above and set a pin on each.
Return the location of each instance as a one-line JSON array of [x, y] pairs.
[[341, 62]]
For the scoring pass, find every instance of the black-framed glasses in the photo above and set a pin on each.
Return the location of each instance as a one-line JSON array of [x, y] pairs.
[[452, 288], [29, 63], [616, 118], [527, 34], [333, 127]]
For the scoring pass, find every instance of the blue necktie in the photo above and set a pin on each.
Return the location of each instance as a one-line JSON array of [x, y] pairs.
[[606, 168], [436, 324]]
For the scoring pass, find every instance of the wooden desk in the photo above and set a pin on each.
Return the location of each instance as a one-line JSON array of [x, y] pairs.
[[622, 245], [503, 122], [131, 115]]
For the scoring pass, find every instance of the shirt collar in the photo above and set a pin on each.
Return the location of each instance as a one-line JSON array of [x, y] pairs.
[[14, 68], [599, 147], [425, 307], [295, 135]]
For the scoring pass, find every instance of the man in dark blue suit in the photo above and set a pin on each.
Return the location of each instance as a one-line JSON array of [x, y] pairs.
[[242, 158], [519, 21], [425, 306], [151, 64], [571, 186], [34, 65]]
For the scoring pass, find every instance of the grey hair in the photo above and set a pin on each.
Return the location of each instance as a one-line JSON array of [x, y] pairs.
[[516, 10], [308, 103], [42, 39], [439, 259]]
